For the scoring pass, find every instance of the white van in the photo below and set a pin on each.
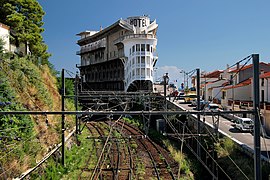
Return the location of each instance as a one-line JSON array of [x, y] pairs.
[[244, 124]]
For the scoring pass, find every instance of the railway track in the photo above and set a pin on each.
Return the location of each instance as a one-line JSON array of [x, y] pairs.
[[124, 152], [162, 169]]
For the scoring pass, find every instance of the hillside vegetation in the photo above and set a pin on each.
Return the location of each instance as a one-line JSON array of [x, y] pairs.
[[25, 139]]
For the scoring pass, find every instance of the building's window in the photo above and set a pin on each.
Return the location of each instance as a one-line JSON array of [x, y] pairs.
[[133, 72], [143, 59], [110, 54], [147, 60], [114, 53], [142, 47], [142, 72], [137, 47], [138, 59], [133, 49], [151, 49], [133, 61], [137, 71], [262, 83], [147, 47], [148, 72]]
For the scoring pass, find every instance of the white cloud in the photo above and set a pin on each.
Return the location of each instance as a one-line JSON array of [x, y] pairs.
[[173, 72]]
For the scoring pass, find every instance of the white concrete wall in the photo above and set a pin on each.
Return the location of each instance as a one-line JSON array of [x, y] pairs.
[[266, 89], [4, 35], [209, 91], [241, 93], [217, 93]]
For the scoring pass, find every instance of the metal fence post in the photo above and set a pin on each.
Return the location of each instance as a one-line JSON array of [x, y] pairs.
[[198, 115], [63, 117]]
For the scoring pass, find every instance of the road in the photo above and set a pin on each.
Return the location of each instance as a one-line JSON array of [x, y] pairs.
[[226, 126]]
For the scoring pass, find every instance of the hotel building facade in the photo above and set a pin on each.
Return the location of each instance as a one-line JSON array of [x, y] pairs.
[[120, 57]]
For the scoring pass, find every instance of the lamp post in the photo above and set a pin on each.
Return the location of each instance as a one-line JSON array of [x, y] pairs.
[[184, 72], [165, 81], [203, 74]]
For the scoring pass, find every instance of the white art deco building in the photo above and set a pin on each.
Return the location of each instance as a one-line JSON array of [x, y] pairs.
[[120, 57]]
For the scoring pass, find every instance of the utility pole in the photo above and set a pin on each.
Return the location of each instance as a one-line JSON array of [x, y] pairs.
[[198, 115], [76, 102], [63, 117], [165, 80], [256, 107]]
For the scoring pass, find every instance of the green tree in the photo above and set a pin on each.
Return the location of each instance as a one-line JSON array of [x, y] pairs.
[[25, 18]]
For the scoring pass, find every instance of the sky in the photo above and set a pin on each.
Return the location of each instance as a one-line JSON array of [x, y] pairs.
[[205, 34]]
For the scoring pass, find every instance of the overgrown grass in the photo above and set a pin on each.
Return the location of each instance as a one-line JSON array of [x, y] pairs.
[[181, 159], [25, 139], [235, 162]]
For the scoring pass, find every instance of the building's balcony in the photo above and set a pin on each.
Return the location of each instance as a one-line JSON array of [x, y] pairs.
[[92, 46], [134, 36]]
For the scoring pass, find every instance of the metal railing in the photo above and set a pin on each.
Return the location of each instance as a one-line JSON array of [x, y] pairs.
[[134, 36], [98, 44]]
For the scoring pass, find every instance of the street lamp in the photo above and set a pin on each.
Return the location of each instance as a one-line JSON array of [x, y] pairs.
[[203, 74], [184, 72]]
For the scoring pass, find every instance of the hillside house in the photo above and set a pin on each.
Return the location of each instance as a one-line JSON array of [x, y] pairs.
[[11, 43], [4, 35]]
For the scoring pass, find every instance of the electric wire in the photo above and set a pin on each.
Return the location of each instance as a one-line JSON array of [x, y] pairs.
[[179, 136], [247, 60], [214, 138]]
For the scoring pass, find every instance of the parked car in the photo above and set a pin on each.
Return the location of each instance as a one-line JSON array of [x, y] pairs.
[[212, 107], [202, 104], [181, 95], [189, 97], [244, 124]]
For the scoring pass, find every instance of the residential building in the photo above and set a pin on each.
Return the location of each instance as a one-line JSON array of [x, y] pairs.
[[120, 57], [11, 42], [4, 35]]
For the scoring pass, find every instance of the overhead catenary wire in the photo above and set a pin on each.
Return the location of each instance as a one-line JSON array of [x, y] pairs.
[[179, 136], [212, 135], [248, 58]]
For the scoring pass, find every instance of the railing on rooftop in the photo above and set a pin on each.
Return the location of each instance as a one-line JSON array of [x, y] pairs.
[[92, 46], [134, 36]]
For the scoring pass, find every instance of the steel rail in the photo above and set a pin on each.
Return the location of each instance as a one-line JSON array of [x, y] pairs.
[[154, 145], [129, 151], [145, 147]]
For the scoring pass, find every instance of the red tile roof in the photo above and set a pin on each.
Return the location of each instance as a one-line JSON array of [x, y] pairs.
[[244, 83], [214, 74], [4, 26], [241, 68], [265, 75]]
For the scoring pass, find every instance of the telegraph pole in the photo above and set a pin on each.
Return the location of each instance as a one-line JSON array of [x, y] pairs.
[[256, 107], [63, 117]]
